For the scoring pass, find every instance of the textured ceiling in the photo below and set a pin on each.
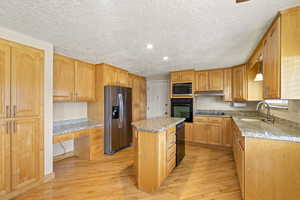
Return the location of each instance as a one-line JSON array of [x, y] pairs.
[[197, 34]]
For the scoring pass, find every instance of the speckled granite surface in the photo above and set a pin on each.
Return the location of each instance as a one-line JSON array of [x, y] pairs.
[[158, 124], [266, 130], [281, 130], [67, 126]]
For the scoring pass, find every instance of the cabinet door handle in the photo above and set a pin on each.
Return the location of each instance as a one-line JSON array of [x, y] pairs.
[[7, 112], [14, 127], [7, 127], [15, 110]]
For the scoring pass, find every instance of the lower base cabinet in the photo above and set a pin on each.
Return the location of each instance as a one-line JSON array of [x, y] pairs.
[[21, 150], [210, 130]]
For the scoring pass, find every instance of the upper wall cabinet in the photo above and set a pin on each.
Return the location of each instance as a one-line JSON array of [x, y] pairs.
[[183, 76], [114, 76], [239, 83], [73, 80], [228, 84], [211, 80], [271, 62], [281, 57], [84, 81]]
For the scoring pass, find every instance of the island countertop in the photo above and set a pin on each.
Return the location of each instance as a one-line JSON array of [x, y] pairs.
[[157, 124]]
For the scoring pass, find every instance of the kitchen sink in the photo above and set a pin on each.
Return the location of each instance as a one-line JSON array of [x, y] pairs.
[[251, 120]]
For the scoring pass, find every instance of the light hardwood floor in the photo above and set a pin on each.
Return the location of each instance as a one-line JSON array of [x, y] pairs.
[[204, 174]]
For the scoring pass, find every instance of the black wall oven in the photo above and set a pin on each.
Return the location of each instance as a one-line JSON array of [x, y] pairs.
[[182, 108]]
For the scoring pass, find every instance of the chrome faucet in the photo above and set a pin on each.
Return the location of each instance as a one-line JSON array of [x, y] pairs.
[[258, 108]]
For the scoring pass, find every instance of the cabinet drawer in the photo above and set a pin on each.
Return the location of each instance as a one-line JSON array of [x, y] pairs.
[[171, 152], [171, 130], [171, 165], [208, 119], [171, 140]]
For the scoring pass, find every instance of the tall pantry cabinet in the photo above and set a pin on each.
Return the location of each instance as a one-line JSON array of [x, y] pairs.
[[21, 108]]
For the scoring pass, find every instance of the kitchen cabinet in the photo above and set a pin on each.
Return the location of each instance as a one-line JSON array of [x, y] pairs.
[[210, 80], [21, 136], [5, 69], [271, 62], [201, 81], [115, 76], [215, 78], [139, 98], [183, 76], [73, 80], [188, 128], [214, 135], [228, 84], [227, 136], [211, 130], [239, 83], [200, 133], [84, 82], [239, 157], [63, 78], [5, 155], [26, 81], [25, 152]]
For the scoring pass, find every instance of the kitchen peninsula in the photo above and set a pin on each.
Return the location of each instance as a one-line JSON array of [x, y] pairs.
[[155, 150]]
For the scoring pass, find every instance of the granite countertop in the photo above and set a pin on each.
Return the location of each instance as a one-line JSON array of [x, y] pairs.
[[157, 125], [264, 130], [67, 126]]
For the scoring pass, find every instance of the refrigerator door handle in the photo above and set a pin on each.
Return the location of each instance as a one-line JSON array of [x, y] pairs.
[[121, 106]]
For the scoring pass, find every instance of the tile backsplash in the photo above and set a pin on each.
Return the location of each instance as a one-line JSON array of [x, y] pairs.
[[217, 103]]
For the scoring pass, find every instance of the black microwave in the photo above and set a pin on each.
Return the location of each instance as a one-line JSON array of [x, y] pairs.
[[182, 89]]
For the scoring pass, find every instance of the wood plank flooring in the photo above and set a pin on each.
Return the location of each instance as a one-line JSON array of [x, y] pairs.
[[204, 174]]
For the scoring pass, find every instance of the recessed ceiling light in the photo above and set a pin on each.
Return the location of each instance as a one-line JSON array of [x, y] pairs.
[[166, 58], [149, 46]]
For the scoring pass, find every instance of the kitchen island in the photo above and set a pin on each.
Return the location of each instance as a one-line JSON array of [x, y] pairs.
[[154, 142]]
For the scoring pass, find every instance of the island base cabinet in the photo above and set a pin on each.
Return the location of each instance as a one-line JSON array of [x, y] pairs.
[[272, 169], [150, 159]]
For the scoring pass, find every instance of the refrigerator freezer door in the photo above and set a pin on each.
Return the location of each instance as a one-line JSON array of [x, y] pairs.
[[111, 123]]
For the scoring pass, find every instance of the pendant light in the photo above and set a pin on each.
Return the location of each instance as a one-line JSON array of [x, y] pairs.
[[259, 76]]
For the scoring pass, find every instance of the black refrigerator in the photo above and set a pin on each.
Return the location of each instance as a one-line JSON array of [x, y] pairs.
[[118, 117]]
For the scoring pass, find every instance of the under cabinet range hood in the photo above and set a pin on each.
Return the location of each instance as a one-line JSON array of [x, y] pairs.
[[216, 93]]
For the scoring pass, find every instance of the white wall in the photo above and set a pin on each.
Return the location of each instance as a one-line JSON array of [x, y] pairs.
[[158, 98], [66, 111], [48, 76]]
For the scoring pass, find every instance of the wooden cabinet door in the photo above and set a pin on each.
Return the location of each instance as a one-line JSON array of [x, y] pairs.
[[136, 99], [200, 133], [202, 81], [26, 81], [240, 165], [25, 148], [214, 135], [63, 78], [143, 99], [85, 81], [227, 136], [110, 76], [5, 173], [4, 81], [271, 63], [187, 76], [188, 131], [123, 78], [175, 76], [239, 83], [228, 84], [215, 79]]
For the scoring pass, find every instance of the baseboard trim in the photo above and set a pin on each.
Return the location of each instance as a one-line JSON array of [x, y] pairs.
[[63, 156], [18, 192]]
